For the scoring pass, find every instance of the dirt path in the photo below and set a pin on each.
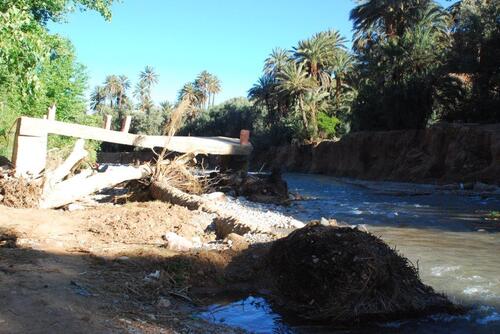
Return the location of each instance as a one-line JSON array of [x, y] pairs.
[[102, 270]]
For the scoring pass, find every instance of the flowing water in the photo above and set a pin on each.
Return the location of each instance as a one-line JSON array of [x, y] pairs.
[[446, 234]]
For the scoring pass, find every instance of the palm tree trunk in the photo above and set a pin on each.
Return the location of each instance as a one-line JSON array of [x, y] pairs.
[[314, 122], [120, 100], [314, 70], [337, 89], [303, 112]]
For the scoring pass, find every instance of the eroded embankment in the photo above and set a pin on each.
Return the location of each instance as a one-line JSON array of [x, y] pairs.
[[445, 153]]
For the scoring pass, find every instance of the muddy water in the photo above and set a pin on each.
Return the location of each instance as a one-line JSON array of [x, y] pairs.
[[443, 232]]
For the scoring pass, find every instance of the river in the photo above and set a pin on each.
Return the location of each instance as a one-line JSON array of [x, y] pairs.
[[443, 232]]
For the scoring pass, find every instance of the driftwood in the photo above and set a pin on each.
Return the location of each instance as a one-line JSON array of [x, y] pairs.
[[57, 192], [225, 223], [78, 154], [75, 188]]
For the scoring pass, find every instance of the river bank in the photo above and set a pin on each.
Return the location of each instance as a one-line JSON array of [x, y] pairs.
[[441, 154]]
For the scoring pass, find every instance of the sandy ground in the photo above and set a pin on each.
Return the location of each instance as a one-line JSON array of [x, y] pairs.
[[103, 270]]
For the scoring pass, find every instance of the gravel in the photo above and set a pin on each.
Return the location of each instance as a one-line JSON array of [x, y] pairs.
[[268, 215]]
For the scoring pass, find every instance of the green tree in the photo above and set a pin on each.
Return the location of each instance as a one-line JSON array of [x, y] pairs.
[[112, 86], [294, 81], [214, 87], [276, 61], [98, 98], [202, 83], [147, 79], [475, 59], [319, 52], [400, 69], [38, 69]]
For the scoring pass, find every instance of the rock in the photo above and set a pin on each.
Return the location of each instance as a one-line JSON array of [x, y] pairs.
[[154, 276], [196, 242], [327, 222], [216, 196], [177, 243], [75, 207], [236, 241], [163, 302]]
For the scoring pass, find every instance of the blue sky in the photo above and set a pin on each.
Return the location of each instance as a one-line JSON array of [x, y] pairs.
[[180, 38]]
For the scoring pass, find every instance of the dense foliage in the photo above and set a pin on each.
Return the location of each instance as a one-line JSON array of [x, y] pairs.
[[311, 79], [419, 63], [38, 69], [413, 63]]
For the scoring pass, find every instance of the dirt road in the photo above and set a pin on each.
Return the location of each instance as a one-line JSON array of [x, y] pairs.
[[101, 270]]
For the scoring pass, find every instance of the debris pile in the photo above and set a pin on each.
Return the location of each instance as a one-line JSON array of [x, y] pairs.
[[262, 188], [18, 192], [345, 276]]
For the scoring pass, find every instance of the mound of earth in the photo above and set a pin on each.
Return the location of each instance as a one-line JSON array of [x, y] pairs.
[[341, 275]]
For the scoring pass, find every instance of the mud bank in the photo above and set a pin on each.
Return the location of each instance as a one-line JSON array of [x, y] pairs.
[[442, 154]]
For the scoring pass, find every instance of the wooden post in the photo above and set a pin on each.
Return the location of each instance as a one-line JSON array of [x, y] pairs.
[[126, 124], [107, 122], [244, 137], [239, 163], [51, 114], [29, 155]]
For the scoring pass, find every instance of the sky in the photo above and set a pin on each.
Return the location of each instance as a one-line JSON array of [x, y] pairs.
[[181, 38]]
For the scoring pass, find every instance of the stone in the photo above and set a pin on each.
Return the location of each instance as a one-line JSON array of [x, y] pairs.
[[75, 207], [216, 196], [177, 243], [236, 241]]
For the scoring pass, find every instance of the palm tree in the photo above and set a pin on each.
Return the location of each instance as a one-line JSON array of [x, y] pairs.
[[294, 81], [214, 87], [318, 53], [148, 77], [142, 94], [190, 93], [166, 106], [203, 82], [342, 66], [376, 20], [112, 85], [315, 100], [276, 61], [263, 91], [124, 86], [98, 98]]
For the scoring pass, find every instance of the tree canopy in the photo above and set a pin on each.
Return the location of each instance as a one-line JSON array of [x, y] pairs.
[[38, 69]]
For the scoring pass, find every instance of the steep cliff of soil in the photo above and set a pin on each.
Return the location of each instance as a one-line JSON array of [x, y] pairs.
[[445, 153]]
